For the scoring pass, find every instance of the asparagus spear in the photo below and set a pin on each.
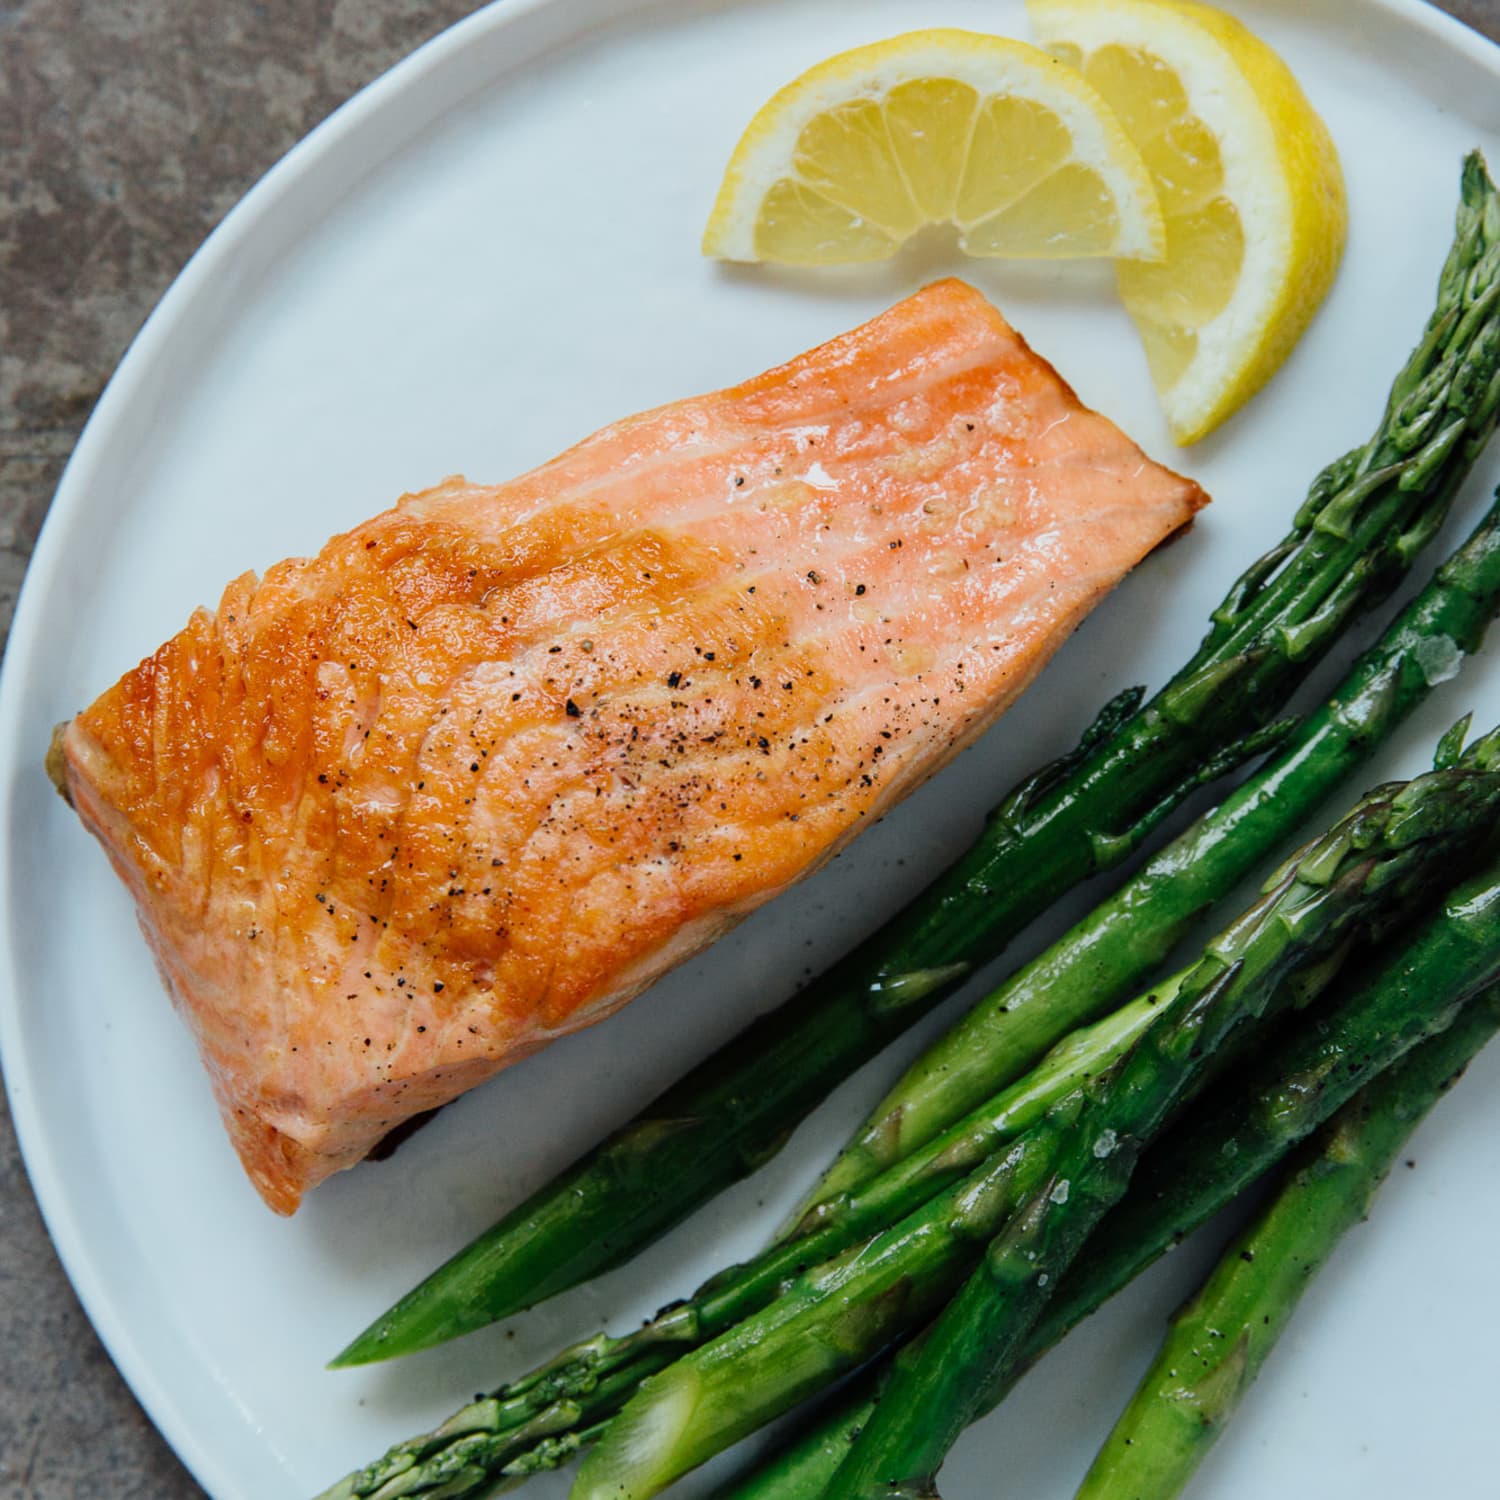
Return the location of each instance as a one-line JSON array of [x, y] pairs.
[[1220, 1339], [1052, 1182], [803, 1470], [1447, 968], [937, 1385], [532, 1422], [1363, 522]]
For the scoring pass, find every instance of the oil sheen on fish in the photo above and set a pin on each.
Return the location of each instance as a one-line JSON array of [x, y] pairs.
[[397, 815]]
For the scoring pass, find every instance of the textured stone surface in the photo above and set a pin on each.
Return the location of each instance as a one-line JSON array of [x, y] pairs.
[[127, 129]]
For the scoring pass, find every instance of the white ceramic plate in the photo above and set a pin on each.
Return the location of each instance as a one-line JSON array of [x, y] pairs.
[[485, 256]]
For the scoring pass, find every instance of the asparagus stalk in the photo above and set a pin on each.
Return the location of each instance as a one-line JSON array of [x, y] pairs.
[[804, 1469], [1380, 859], [938, 1384], [1219, 1340], [531, 1423], [1407, 1000], [1363, 522]]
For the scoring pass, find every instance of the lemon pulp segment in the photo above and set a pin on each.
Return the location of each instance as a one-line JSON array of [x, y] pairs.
[[992, 136]]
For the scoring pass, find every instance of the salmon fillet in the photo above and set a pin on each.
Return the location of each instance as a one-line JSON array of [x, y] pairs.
[[398, 815]]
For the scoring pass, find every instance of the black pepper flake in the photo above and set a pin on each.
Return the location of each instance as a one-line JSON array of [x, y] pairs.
[[859, 589], [437, 986], [674, 679], [739, 479], [572, 709], [553, 650], [708, 656], [515, 697]]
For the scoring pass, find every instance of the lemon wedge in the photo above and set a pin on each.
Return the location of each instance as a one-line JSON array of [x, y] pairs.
[[1249, 183], [934, 127]]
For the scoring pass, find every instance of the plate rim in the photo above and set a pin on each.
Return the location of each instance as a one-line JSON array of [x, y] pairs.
[[316, 152]]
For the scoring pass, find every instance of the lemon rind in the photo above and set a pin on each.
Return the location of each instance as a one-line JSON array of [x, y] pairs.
[[1265, 316]]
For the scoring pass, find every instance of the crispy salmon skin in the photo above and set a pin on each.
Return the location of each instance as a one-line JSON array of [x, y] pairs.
[[397, 815]]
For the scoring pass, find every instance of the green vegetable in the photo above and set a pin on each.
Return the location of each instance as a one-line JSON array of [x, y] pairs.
[[1047, 1188], [1224, 1144], [1363, 522], [1405, 1001], [937, 1385], [587, 1383], [1219, 1340]]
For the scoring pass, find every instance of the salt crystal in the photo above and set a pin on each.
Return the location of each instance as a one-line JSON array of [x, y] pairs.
[[1439, 658]]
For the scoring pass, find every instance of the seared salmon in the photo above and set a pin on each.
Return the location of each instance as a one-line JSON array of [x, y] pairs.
[[398, 815]]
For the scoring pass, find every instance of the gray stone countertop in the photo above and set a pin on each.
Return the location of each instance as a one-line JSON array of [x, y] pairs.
[[127, 129]]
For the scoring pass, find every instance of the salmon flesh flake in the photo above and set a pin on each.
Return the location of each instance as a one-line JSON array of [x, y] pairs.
[[397, 815]]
